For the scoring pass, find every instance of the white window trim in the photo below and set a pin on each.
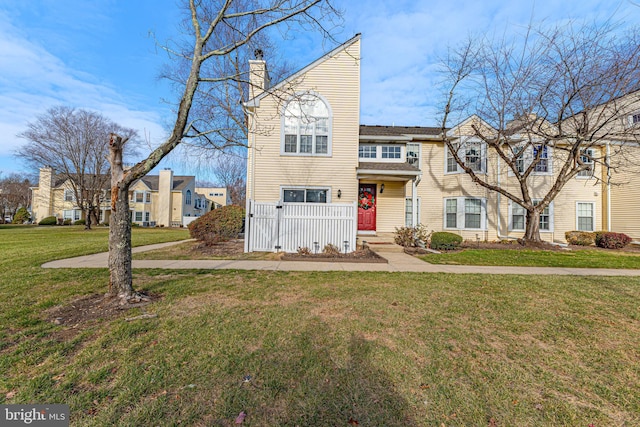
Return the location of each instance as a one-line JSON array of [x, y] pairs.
[[460, 217], [410, 199], [592, 163], [593, 210], [304, 187], [510, 217], [462, 146], [368, 159], [419, 158], [329, 152], [528, 159], [71, 193], [629, 120]]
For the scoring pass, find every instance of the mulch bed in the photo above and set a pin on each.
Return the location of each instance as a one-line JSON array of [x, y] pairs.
[[360, 256], [514, 245]]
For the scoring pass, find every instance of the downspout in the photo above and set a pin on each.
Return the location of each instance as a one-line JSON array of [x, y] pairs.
[[608, 186], [250, 172], [414, 200], [500, 236]]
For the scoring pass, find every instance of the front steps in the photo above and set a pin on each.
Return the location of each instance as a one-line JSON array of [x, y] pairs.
[[380, 242]]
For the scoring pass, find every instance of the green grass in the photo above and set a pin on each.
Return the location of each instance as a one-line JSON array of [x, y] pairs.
[[587, 258], [385, 349]]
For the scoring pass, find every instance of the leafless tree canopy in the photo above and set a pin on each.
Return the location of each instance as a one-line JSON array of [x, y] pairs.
[[216, 32], [71, 142], [569, 89], [14, 194]]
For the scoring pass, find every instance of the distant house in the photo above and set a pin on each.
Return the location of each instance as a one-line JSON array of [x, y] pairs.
[[155, 200], [316, 176], [218, 196]]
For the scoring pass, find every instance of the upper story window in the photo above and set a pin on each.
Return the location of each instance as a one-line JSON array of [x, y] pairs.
[[413, 154], [69, 196], [472, 153], [586, 157], [187, 197], [524, 156], [141, 197], [306, 126], [633, 119], [543, 161], [391, 152], [367, 152]]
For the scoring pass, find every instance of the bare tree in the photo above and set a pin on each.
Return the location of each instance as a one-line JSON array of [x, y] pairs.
[[230, 171], [71, 142], [216, 30], [14, 194], [567, 90]]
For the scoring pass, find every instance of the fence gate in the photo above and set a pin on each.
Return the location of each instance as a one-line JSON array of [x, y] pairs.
[[285, 227]]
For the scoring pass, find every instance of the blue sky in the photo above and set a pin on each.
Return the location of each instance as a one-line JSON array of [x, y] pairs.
[[98, 55]]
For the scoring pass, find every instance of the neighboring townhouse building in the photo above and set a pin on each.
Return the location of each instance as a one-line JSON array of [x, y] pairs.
[[155, 200], [217, 196], [307, 148]]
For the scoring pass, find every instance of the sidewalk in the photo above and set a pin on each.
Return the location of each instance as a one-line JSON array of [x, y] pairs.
[[398, 262]]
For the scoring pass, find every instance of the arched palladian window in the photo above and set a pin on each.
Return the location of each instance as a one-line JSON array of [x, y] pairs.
[[307, 126], [188, 197]]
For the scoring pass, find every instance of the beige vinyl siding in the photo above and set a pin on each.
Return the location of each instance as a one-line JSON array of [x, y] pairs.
[[625, 194], [390, 206], [337, 79]]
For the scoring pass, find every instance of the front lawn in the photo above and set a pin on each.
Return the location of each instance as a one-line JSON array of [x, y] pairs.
[[583, 258], [379, 349]]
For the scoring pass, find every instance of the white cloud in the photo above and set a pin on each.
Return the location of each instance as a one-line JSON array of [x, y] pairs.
[[32, 80]]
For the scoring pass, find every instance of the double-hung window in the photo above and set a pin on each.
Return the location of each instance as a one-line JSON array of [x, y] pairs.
[[585, 216], [69, 196], [305, 195], [306, 126], [518, 217], [465, 213], [452, 165], [472, 153], [586, 157], [543, 162], [413, 154], [408, 212]]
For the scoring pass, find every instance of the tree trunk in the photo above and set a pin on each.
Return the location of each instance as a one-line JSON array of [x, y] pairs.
[[120, 277], [532, 232], [87, 219]]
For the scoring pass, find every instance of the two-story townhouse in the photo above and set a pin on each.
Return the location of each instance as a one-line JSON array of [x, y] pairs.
[[162, 199], [306, 148]]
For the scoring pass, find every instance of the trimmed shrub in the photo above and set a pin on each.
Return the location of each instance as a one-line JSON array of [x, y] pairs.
[[580, 238], [80, 222], [445, 241], [612, 240], [219, 225], [67, 221], [50, 220]]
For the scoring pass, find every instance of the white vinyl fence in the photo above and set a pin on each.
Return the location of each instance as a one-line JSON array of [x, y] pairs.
[[285, 227]]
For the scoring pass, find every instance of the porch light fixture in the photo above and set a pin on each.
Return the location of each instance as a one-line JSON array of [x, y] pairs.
[[339, 193], [381, 188]]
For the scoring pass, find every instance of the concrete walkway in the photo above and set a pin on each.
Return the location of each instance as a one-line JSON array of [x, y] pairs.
[[397, 262]]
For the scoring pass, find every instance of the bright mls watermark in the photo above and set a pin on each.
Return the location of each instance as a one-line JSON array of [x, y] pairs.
[[34, 415]]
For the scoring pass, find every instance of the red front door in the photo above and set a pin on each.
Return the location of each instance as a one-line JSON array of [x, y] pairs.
[[367, 207]]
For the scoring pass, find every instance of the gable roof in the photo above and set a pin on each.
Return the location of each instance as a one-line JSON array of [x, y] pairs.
[[179, 182], [255, 102], [378, 130]]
